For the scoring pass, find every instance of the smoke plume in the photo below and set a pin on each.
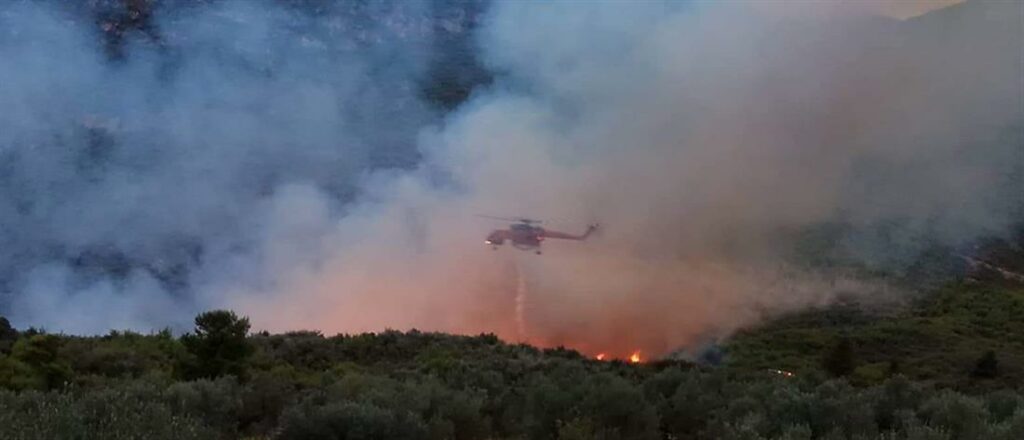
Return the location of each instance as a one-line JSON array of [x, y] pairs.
[[252, 160]]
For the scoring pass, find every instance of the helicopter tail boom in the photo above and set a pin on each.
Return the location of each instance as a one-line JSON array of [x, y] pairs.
[[562, 235]]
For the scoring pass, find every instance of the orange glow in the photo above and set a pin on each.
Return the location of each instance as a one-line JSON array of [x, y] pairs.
[[635, 357]]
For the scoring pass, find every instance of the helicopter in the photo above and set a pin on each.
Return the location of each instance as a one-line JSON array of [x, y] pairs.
[[525, 234]]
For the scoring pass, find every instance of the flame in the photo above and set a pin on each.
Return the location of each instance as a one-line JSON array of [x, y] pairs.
[[635, 357], [782, 372]]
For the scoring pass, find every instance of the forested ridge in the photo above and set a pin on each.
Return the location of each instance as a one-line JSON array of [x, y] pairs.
[[937, 371]]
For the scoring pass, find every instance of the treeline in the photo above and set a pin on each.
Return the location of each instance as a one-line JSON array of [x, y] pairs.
[[219, 381]]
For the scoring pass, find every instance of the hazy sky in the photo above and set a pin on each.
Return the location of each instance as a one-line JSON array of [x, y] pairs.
[[900, 9]]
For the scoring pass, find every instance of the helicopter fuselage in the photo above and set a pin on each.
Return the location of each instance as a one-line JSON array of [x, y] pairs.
[[520, 236], [529, 237]]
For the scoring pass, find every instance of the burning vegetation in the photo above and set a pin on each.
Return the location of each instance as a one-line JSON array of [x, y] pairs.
[[220, 381], [633, 358]]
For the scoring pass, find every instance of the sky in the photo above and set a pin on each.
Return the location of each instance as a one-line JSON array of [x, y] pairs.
[[899, 9]]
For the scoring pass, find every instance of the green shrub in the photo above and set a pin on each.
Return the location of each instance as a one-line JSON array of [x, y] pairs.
[[41, 352], [16, 375], [961, 416], [108, 414], [839, 360], [8, 335], [218, 345], [217, 403], [349, 420]]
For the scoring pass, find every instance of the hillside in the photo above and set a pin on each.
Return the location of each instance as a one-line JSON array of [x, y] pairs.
[[939, 339], [914, 375], [949, 309]]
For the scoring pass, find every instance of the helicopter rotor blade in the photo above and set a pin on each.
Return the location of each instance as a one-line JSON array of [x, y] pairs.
[[511, 219], [494, 217]]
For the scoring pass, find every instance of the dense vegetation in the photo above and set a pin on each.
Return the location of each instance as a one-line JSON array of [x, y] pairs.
[[941, 339], [947, 368]]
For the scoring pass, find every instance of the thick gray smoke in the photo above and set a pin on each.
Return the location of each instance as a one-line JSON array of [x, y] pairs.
[[706, 137], [129, 183], [703, 136]]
